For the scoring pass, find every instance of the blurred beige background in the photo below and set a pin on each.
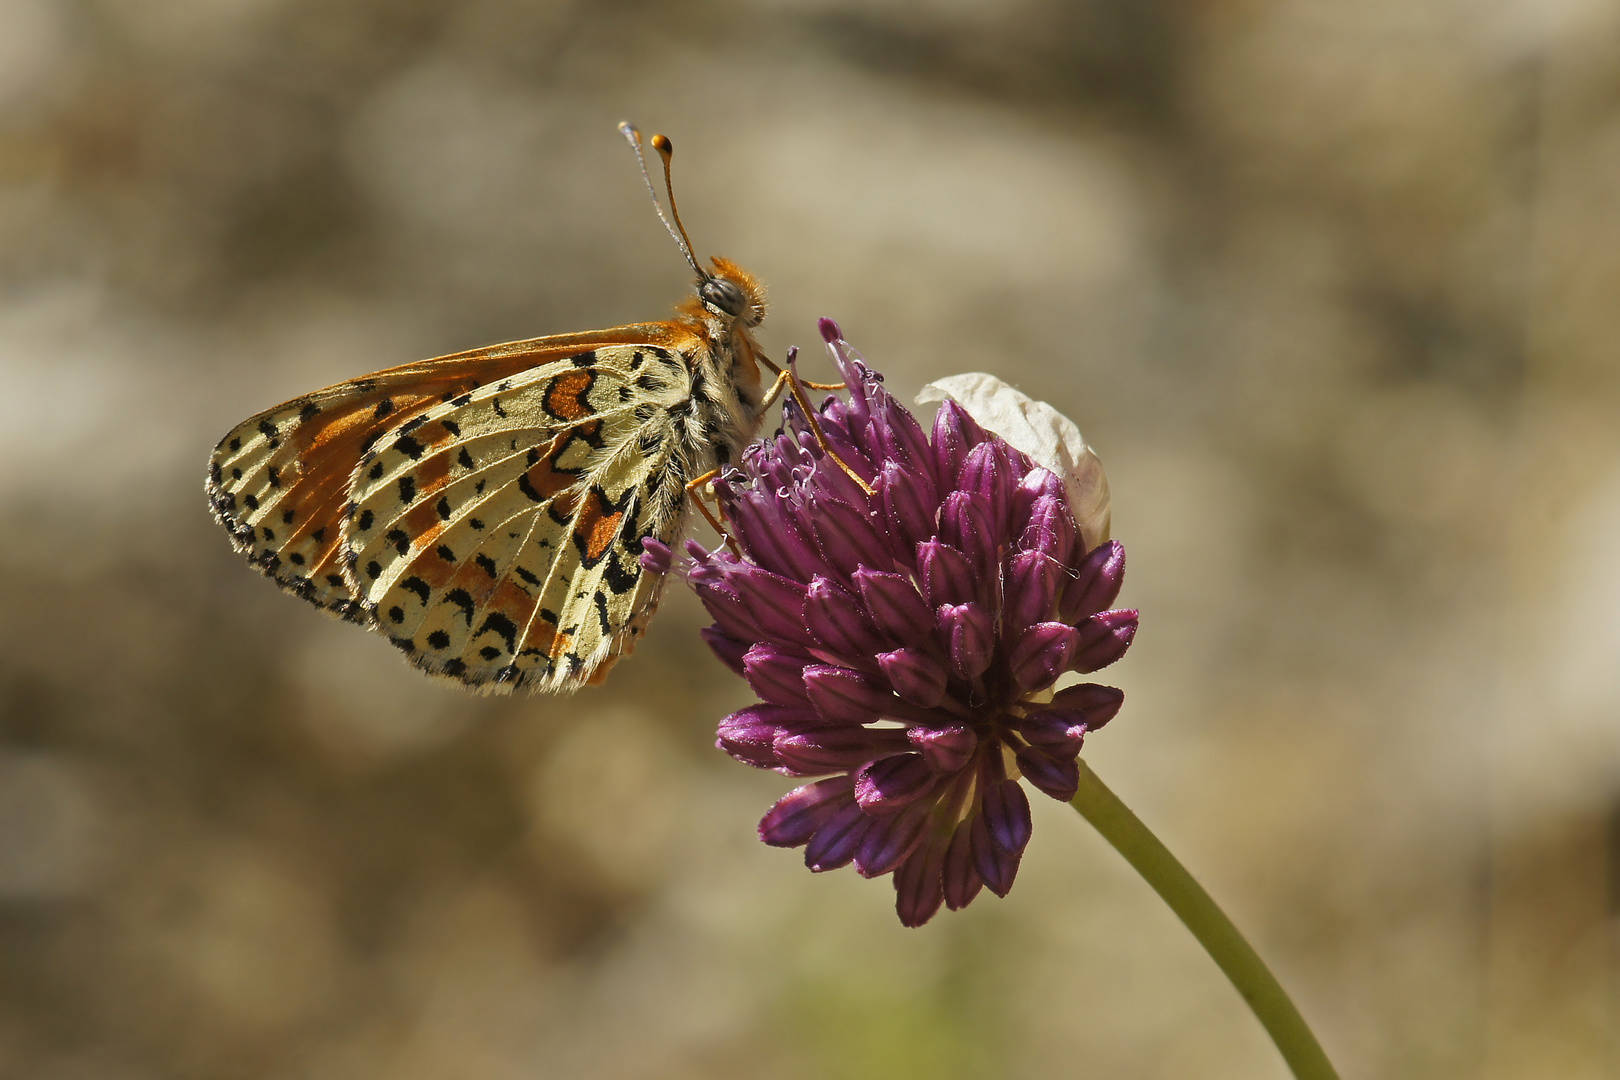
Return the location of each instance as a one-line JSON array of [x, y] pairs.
[[1332, 288]]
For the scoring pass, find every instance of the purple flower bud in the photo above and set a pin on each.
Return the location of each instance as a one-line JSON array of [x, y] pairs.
[[1103, 639], [836, 839], [806, 751], [846, 539], [846, 367], [1099, 576], [919, 883], [837, 621], [961, 878], [853, 454], [776, 674], [965, 524], [1036, 484], [726, 608], [1031, 591], [1097, 704], [915, 675], [893, 783], [1057, 777], [905, 443], [955, 433], [798, 814], [750, 734], [947, 750], [890, 839], [1042, 654], [844, 696], [910, 507], [1050, 529], [704, 566], [1006, 816], [945, 574], [776, 603], [986, 472], [998, 868], [728, 649], [968, 633], [1058, 732], [655, 555], [775, 541], [893, 601]]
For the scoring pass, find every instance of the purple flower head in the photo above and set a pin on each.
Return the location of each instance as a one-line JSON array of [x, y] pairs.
[[904, 630]]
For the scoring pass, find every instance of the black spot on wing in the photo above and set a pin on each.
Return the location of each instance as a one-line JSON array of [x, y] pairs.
[[463, 600], [499, 624]]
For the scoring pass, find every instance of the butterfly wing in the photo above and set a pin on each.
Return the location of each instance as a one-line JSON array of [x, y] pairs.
[[285, 485], [498, 541]]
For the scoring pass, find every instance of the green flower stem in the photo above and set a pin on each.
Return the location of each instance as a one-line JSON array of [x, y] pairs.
[[1208, 923]]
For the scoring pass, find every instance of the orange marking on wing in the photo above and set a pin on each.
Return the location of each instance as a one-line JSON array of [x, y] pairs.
[[431, 569], [559, 645], [565, 397], [511, 600], [540, 638], [544, 480], [594, 531]]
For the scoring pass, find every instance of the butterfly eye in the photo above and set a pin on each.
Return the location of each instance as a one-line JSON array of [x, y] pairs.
[[724, 295]]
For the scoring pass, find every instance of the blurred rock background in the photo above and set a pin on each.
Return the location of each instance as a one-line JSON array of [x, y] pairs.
[[1331, 288]]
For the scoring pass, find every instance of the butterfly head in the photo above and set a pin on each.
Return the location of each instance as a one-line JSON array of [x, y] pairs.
[[733, 292]]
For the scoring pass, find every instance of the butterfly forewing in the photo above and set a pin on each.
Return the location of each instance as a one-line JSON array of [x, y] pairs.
[[498, 539], [278, 482]]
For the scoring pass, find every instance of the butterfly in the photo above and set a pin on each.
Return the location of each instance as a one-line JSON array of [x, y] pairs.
[[486, 510]]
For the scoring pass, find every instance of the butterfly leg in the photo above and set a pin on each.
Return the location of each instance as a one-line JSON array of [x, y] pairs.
[[789, 378], [781, 383], [695, 493]]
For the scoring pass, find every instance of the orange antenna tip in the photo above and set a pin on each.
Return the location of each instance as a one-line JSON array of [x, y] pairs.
[[676, 230]]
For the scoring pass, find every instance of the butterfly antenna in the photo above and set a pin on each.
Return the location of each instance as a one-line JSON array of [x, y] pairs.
[[665, 149]]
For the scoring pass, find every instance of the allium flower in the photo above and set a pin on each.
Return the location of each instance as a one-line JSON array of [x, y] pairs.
[[904, 641]]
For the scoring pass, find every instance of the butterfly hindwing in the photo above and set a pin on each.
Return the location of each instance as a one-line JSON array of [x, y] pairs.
[[497, 537]]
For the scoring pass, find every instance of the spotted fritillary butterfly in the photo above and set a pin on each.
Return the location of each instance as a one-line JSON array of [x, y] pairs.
[[486, 510]]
